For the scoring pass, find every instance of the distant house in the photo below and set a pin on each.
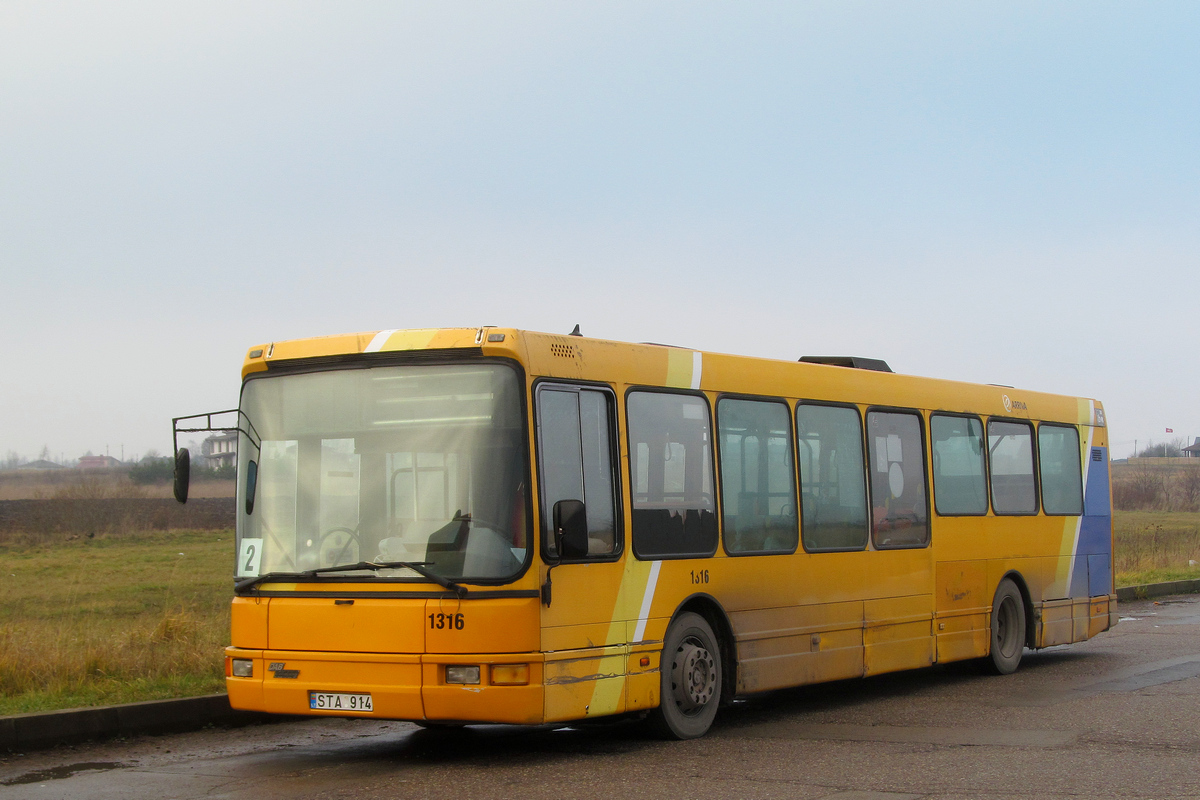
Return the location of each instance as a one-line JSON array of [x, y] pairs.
[[98, 462], [1193, 451], [220, 449]]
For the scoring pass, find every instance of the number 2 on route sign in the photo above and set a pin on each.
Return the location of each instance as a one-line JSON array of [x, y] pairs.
[[249, 558]]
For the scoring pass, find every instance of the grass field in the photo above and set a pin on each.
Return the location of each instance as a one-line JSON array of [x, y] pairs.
[[122, 618], [1156, 546], [113, 619]]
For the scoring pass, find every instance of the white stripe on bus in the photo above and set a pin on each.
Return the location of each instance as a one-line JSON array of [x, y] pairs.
[[379, 341], [647, 600]]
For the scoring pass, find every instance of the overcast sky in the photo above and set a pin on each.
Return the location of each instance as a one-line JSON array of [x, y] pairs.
[[1004, 193]]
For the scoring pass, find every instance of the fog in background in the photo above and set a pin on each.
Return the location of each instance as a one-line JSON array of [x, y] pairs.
[[1003, 193]]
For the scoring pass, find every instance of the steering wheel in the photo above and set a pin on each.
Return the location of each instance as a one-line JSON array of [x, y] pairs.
[[352, 536]]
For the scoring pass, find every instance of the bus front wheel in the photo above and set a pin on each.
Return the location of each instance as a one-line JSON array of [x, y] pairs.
[[1008, 628], [690, 679]]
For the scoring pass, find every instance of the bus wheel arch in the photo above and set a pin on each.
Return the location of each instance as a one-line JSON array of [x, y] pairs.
[[1027, 601], [1011, 624], [693, 672], [707, 606]]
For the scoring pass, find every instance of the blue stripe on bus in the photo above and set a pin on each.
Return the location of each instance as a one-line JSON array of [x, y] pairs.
[[1093, 551]]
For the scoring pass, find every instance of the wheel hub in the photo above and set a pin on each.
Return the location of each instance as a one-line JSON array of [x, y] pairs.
[[693, 673]]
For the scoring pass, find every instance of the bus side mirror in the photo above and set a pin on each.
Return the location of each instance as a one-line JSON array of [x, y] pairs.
[[570, 529], [251, 485], [183, 474]]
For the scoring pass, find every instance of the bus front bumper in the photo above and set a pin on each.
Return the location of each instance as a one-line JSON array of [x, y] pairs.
[[401, 686]]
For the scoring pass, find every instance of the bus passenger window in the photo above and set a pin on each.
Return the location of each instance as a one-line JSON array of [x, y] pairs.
[[899, 510], [959, 477], [758, 495], [670, 446], [1010, 453], [1058, 463], [833, 504], [575, 460]]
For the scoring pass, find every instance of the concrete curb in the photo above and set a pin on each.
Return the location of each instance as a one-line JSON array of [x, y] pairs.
[[24, 732], [37, 731], [1126, 594]]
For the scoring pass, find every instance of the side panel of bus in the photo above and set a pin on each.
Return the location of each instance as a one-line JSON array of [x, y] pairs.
[[812, 617]]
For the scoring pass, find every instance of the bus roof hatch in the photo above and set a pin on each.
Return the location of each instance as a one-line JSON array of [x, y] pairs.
[[855, 362]]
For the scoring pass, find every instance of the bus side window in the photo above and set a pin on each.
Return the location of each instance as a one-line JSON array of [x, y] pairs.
[[671, 471], [833, 502], [1010, 456], [1059, 466], [959, 476], [575, 429], [899, 508], [758, 494]]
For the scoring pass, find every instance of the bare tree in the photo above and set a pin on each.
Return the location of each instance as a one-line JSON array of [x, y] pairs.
[[1171, 449]]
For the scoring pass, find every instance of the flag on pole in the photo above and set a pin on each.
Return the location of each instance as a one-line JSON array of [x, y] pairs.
[[1170, 430]]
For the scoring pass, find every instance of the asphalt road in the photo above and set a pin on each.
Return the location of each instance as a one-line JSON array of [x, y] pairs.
[[1115, 717]]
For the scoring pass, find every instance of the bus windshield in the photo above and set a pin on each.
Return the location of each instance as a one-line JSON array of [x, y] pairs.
[[421, 463]]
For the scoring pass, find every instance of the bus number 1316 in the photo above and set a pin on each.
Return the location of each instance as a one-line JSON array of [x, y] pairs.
[[442, 622]]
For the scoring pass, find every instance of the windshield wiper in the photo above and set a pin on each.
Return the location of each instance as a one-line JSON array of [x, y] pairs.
[[416, 566]]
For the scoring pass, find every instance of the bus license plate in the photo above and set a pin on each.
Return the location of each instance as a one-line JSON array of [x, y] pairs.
[[339, 701]]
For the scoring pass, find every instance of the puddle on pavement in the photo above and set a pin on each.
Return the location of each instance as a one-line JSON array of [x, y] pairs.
[[65, 771]]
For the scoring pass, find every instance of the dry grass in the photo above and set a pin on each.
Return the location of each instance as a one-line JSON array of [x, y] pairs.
[[22, 485], [1155, 546], [1157, 485], [99, 487], [113, 619]]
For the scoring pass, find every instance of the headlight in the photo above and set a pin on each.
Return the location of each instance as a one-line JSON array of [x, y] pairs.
[[459, 673]]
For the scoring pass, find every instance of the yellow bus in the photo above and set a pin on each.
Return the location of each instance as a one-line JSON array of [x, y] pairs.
[[493, 525]]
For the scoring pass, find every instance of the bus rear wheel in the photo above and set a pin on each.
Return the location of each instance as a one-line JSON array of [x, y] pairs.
[[690, 675], [1008, 628]]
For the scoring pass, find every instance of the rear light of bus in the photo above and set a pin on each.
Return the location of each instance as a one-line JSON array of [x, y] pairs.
[[510, 674], [460, 673], [242, 668]]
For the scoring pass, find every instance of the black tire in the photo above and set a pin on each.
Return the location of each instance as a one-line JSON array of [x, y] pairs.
[[690, 679], [1008, 628]]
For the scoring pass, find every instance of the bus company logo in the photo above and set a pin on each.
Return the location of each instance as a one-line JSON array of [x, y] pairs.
[[1011, 405], [278, 670]]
